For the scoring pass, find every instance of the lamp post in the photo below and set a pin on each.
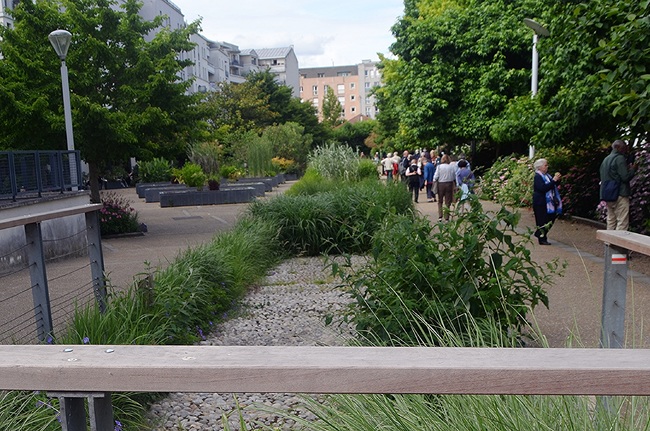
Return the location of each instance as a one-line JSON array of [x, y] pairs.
[[538, 30], [60, 40]]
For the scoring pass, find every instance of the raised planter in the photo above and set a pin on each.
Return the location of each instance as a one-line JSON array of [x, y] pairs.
[[234, 195], [152, 194], [141, 187], [260, 188]]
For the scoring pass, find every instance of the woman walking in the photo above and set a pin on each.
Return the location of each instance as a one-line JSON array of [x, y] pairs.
[[547, 203], [445, 176]]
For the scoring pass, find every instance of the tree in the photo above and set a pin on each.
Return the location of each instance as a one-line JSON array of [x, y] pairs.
[[459, 63], [332, 109], [126, 97]]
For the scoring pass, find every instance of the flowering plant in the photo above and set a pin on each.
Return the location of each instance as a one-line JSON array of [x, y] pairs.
[[509, 182], [117, 215]]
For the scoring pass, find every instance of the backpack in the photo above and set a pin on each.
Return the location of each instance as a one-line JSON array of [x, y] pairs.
[[403, 165]]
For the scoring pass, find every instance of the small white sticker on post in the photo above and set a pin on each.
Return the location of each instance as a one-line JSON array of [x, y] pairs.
[[619, 259]]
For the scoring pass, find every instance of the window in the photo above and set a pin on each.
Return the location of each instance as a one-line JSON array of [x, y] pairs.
[[314, 90], [353, 109], [315, 102], [366, 84], [342, 73], [340, 88], [320, 75], [325, 88], [353, 97], [352, 85], [301, 89], [342, 100]]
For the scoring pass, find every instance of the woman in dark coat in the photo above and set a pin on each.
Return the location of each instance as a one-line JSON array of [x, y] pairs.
[[547, 203]]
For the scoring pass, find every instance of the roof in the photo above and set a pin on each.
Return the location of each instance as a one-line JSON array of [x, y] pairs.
[[327, 72], [267, 53]]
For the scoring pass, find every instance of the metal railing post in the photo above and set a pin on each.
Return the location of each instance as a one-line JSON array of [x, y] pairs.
[[38, 275], [614, 289], [96, 257]]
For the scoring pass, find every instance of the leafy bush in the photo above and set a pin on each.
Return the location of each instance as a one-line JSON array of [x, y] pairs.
[[117, 216], [191, 174], [285, 165], [475, 265], [367, 169], [231, 172], [335, 161], [509, 181], [155, 170]]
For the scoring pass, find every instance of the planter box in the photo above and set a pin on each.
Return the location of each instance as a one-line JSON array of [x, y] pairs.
[[234, 195], [260, 188], [140, 187], [153, 194]]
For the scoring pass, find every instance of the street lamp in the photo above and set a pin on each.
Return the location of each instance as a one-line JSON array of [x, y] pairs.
[[60, 40], [538, 30]]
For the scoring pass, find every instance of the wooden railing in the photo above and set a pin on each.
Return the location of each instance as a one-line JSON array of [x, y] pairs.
[[75, 373]]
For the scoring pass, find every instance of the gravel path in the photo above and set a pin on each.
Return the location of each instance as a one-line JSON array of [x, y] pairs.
[[288, 309]]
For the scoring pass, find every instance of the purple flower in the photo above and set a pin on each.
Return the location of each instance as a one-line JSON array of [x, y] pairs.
[[86, 340]]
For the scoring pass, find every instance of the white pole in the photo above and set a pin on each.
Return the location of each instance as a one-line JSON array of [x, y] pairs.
[[67, 113], [533, 85]]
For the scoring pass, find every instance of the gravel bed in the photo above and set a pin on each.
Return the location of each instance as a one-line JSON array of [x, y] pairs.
[[287, 309]]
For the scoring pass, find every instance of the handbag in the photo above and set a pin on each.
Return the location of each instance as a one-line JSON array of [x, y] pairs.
[[610, 190]]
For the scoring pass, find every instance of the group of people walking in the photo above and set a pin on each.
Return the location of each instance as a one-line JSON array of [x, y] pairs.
[[440, 175]]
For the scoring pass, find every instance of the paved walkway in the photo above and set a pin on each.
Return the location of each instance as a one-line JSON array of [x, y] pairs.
[[575, 299]]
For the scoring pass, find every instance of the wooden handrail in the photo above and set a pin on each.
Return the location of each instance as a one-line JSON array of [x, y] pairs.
[[627, 240], [94, 368], [49, 215]]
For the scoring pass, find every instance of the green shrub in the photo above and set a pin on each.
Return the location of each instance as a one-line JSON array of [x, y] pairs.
[[117, 216], [367, 169], [474, 265], [509, 182], [260, 154], [230, 172], [192, 175], [155, 170]]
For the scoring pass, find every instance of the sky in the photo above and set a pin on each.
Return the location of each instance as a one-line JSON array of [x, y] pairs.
[[322, 32]]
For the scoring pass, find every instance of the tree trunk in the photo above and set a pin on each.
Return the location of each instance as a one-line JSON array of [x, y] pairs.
[[93, 175]]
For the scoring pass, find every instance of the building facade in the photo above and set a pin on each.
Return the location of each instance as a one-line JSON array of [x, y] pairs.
[[283, 63], [351, 84]]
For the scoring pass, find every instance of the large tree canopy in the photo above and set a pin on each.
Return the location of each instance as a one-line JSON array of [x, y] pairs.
[[462, 73], [127, 99]]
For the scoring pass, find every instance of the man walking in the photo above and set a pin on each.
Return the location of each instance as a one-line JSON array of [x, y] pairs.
[[615, 168]]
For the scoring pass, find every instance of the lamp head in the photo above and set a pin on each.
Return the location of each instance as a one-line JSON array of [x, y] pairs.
[[60, 40], [539, 29]]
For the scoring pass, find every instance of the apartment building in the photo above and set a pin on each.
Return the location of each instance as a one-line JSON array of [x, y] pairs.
[[283, 63], [351, 84], [7, 5]]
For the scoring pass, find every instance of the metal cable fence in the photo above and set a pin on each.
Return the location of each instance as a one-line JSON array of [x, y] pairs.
[[69, 286], [25, 174]]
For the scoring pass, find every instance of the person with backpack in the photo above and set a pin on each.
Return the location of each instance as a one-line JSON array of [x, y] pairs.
[[616, 173], [412, 175]]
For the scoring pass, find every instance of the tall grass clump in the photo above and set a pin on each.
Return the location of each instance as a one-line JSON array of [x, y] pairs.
[[335, 161], [312, 183], [342, 220], [260, 154], [206, 155]]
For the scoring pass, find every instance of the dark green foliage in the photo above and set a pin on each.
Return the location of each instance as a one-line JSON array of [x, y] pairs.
[[472, 266]]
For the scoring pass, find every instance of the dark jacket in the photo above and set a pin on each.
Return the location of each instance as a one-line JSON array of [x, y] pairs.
[[539, 190], [614, 167]]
